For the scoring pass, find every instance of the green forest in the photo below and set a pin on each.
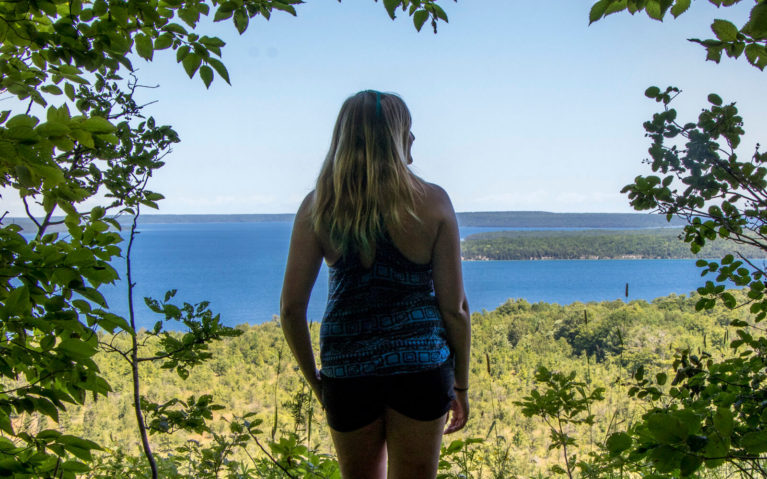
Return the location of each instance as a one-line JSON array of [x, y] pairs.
[[658, 243], [603, 344]]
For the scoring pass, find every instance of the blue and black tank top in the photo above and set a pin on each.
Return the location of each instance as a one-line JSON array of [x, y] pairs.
[[381, 320]]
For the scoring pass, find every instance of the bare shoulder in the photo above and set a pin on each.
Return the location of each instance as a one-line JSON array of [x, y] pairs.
[[437, 201], [306, 203], [304, 212]]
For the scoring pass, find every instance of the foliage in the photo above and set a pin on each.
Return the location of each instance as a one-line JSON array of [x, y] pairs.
[[712, 414], [723, 197], [52, 308], [459, 459], [750, 39], [564, 402]]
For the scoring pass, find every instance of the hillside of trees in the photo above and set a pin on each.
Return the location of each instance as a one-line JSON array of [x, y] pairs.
[[659, 243], [602, 343]]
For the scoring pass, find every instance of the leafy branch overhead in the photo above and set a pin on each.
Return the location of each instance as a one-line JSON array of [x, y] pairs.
[[420, 10], [751, 38]]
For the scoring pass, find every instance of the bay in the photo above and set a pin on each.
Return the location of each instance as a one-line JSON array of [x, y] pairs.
[[238, 267]]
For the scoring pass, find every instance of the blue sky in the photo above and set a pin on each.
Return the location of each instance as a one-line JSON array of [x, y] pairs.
[[516, 105]]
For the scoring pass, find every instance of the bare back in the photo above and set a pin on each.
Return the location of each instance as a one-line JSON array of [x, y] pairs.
[[416, 238]]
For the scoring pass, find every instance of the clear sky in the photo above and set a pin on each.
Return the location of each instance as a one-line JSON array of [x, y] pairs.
[[516, 105]]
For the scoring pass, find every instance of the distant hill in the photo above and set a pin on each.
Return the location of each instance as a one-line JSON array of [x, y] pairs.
[[645, 243], [511, 219], [544, 219]]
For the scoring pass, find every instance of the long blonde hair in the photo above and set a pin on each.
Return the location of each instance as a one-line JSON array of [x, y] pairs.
[[364, 183]]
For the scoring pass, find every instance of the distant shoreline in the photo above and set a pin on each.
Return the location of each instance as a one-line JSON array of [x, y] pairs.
[[507, 219]]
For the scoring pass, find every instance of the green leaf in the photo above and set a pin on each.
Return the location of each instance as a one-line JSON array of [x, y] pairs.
[[5, 423], [618, 442], [680, 6], [723, 421], [716, 447], [240, 20], [220, 69], [181, 53], [729, 300], [190, 15], [69, 440], [724, 30], [439, 12], [664, 427], [557, 469], [98, 124], [51, 89], [690, 464], [163, 41], [654, 10], [391, 7], [224, 11], [714, 54], [22, 121], [419, 18], [665, 458], [144, 46], [206, 73], [76, 348], [191, 63], [757, 23], [46, 407], [754, 442], [76, 466], [616, 6], [94, 295], [17, 302], [52, 128], [754, 53], [597, 10], [70, 91], [652, 92], [175, 28]]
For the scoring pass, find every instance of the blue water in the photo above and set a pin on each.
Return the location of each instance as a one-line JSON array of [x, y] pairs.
[[238, 267]]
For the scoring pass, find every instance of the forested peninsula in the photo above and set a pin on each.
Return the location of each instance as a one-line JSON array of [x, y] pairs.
[[658, 243]]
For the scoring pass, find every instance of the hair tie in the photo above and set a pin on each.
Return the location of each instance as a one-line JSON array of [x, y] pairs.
[[378, 101]]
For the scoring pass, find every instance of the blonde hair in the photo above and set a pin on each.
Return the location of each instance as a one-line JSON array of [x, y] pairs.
[[364, 183]]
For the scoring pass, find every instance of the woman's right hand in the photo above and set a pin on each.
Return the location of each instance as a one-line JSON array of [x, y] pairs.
[[459, 412], [316, 384]]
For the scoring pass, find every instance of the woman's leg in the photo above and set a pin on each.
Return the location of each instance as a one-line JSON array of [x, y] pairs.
[[413, 446], [362, 452]]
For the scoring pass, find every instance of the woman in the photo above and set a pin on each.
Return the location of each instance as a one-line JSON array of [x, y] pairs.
[[394, 341]]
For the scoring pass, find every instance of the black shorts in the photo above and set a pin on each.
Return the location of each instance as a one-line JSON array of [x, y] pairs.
[[351, 403]]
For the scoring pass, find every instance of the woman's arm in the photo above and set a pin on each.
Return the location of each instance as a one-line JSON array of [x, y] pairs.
[[304, 261], [451, 298]]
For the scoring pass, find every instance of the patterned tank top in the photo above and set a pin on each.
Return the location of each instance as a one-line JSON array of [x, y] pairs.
[[381, 320]]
